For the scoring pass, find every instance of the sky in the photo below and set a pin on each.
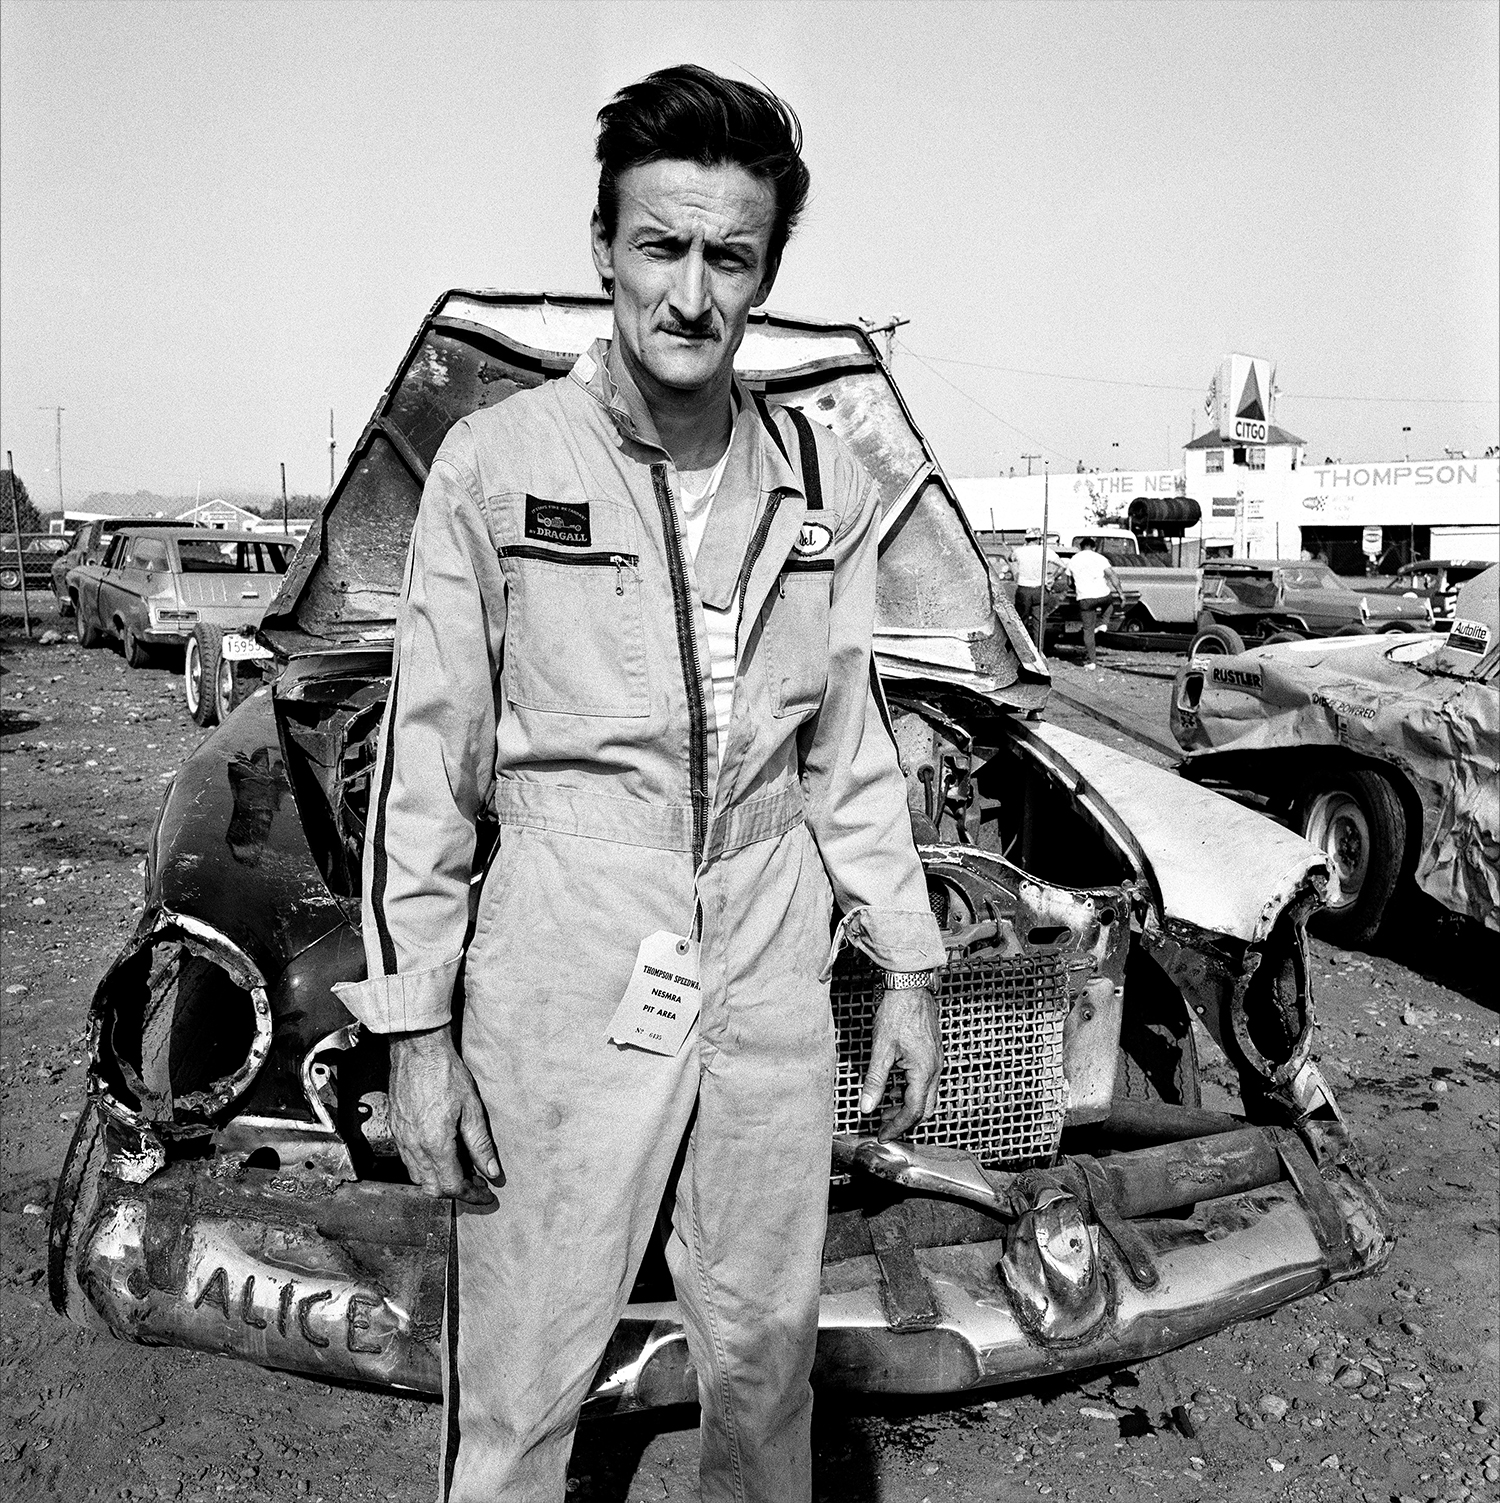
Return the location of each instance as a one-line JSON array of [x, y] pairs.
[[218, 221]]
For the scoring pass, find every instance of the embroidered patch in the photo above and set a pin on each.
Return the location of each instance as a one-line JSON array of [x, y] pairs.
[[564, 522], [813, 538]]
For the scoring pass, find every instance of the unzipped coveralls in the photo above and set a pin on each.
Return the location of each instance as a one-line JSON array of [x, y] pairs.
[[552, 665]]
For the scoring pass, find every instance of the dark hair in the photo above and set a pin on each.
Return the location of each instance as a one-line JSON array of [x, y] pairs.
[[688, 114], [1085, 542]]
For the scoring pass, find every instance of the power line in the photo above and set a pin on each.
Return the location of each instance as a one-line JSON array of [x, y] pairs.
[[1298, 396], [1030, 438]]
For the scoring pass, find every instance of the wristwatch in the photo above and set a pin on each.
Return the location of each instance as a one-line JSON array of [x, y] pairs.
[[906, 981]]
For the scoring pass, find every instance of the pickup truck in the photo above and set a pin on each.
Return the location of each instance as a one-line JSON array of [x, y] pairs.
[[1167, 597]]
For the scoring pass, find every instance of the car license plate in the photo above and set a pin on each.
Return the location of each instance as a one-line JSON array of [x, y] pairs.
[[236, 647]]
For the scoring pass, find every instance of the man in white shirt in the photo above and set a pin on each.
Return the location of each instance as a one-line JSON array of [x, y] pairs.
[[1028, 562], [1095, 583]]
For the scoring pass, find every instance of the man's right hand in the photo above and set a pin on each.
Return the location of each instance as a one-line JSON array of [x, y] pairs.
[[434, 1105]]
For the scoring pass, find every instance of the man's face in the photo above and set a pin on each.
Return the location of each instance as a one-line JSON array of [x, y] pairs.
[[690, 258]]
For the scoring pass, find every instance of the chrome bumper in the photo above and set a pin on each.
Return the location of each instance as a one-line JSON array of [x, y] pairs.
[[346, 1280]]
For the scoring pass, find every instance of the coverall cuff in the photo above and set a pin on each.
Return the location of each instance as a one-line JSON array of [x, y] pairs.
[[896, 939], [408, 1002]]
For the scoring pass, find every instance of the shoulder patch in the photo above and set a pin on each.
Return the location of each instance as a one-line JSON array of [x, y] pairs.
[[563, 522], [813, 538]]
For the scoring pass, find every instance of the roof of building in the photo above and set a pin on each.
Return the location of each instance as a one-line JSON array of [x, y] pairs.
[[1274, 437]]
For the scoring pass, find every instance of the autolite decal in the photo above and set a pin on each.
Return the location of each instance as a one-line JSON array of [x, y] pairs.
[[1469, 636], [1236, 678]]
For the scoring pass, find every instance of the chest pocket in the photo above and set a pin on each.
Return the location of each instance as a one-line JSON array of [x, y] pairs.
[[796, 636], [575, 640]]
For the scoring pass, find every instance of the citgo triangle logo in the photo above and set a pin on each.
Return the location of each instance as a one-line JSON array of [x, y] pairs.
[[1251, 405]]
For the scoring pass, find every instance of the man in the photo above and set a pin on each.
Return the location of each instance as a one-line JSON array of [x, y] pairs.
[[1028, 565], [636, 623], [1095, 583]]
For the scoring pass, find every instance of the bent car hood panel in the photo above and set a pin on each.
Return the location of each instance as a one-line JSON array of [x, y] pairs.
[[478, 348], [1181, 833], [1372, 699]]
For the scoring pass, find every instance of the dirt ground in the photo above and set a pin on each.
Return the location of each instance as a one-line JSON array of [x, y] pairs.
[[1382, 1390]]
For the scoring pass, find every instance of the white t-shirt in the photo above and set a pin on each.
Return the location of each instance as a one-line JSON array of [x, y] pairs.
[[1088, 571], [1028, 562], [696, 492]]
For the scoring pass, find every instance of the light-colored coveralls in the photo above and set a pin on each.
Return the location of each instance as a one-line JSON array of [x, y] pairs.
[[552, 663]]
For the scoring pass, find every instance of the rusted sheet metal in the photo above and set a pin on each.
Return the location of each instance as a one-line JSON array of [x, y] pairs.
[[1180, 834], [1426, 707]]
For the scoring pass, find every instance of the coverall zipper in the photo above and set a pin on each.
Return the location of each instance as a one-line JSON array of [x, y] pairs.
[[599, 560], [687, 648]]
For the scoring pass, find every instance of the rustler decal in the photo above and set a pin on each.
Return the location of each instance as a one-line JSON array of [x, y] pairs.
[[1469, 636], [562, 522], [813, 538], [1236, 678], [1343, 707]]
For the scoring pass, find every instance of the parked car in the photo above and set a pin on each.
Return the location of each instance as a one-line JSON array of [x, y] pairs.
[[88, 545], [1281, 600], [233, 1187], [1382, 753], [1436, 581], [199, 588], [35, 557]]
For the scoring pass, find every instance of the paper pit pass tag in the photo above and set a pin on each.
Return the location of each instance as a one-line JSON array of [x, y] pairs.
[[663, 996]]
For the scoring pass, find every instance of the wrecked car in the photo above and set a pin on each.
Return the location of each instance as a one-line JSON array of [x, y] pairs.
[[1381, 753], [199, 588], [1286, 600], [233, 1187]]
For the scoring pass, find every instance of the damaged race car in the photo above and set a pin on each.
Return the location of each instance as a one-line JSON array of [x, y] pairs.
[[1071, 1204], [1381, 753]]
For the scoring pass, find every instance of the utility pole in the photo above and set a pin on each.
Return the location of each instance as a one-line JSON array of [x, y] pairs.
[[888, 328], [1028, 458], [1041, 617], [284, 526], [332, 451], [58, 411]]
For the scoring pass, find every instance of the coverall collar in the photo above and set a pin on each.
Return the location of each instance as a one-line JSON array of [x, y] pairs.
[[602, 374], [755, 470]]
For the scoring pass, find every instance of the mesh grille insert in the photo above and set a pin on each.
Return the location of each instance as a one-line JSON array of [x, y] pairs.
[[1001, 1096]]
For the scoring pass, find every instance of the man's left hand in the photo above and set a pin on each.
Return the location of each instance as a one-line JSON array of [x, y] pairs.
[[907, 1033]]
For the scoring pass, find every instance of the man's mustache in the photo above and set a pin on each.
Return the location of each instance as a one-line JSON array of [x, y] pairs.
[[704, 330]]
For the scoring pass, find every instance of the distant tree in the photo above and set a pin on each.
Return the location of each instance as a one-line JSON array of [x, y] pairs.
[[300, 506], [31, 519]]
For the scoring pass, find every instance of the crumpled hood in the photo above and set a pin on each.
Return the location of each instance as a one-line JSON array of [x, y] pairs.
[[938, 619], [1413, 703]]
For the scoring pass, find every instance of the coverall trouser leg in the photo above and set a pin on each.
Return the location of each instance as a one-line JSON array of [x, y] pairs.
[[589, 1135]]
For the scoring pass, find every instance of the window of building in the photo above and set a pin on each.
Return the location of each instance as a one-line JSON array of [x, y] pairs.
[[1256, 458], [1213, 461]]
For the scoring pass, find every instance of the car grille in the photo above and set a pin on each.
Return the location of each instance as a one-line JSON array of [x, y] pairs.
[[1002, 1093]]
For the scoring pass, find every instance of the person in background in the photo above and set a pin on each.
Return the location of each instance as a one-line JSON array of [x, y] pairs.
[[1028, 566], [1095, 583]]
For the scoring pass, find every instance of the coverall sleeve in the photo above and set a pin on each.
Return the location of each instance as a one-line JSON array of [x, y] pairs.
[[852, 779], [435, 764]]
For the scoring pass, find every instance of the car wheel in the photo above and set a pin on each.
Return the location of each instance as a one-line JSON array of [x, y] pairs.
[[137, 654], [89, 635], [230, 687], [1283, 636], [1356, 820], [1354, 629], [200, 668], [1397, 628], [1216, 640], [10, 579]]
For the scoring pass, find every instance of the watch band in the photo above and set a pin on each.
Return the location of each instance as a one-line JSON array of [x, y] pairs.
[[902, 981]]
